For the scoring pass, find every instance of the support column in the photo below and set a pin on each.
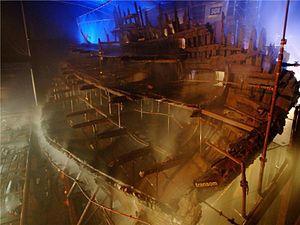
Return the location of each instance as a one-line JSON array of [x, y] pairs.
[[100, 96], [263, 158], [109, 103], [119, 115], [169, 109], [141, 108], [72, 106], [200, 135]]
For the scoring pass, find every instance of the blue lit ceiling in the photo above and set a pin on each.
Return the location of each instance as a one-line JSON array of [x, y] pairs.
[[98, 23]]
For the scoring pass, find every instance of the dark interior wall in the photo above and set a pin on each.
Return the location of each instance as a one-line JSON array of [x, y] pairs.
[[52, 20], [46, 20], [13, 41]]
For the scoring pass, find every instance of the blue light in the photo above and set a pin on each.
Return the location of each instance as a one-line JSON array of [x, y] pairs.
[[100, 23], [90, 29]]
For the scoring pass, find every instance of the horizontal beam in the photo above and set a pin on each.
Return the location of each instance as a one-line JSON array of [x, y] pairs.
[[61, 91], [90, 123], [77, 113], [163, 166], [112, 133], [199, 113], [130, 156], [87, 87]]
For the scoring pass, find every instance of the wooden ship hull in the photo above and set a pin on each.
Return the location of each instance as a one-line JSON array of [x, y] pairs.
[[175, 128]]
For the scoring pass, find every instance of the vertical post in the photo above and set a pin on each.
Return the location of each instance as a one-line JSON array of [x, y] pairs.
[[133, 172], [73, 91], [141, 109], [200, 135], [169, 109], [78, 90], [244, 185], [54, 91], [94, 127], [72, 107], [157, 184], [109, 104], [119, 115], [100, 96], [270, 115], [152, 106], [91, 97]]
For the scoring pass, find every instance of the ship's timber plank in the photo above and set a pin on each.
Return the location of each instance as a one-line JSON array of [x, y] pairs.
[[258, 81], [80, 112], [75, 81], [118, 99], [199, 113], [245, 69], [67, 72], [155, 60], [61, 91], [63, 98], [130, 156], [163, 166], [90, 80], [87, 87], [90, 123], [112, 133]]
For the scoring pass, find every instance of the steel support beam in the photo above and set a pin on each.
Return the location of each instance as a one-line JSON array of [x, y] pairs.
[[263, 158]]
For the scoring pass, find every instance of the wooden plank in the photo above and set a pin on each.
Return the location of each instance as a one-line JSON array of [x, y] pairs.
[[90, 123], [76, 113], [260, 81], [118, 99], [87, 87], [199, 113], [112, 133], [61, 91], [130, 156], [163, 166]]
